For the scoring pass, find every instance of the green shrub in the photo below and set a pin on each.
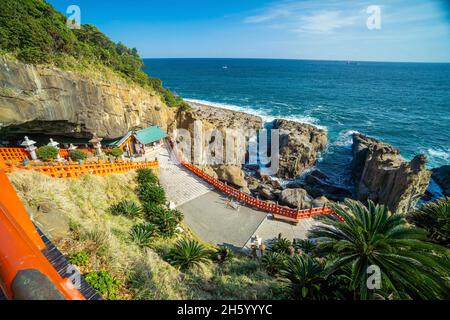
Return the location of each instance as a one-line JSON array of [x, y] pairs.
[[150, 193], [126, 208], [77, 155], [104, 283], [223, 254], [33, 55], [166, 221], [304, 277], [307, 246], [47, 153], [80, 259], [435, 219], [116, 152], [280, 245], [142, 234], [273, 262], [146, 176], [187, 254]]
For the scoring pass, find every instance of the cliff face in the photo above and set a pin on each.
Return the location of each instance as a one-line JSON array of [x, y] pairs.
[[383, 176], [48, 100], [300, 145]]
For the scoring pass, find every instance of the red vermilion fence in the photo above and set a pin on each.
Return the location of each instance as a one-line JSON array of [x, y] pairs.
[[277, 210], [100, 169]]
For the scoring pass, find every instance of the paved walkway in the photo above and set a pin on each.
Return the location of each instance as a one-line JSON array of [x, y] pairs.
[[180, 185], [207, 214], [270, 229], [213, 221]]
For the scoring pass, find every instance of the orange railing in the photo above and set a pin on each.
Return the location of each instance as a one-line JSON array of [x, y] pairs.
[[21, 248], [13, 154], [75, 171], [277, 210]]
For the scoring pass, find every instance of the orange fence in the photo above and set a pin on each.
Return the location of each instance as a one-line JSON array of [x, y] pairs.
[[277, 210], [21, 249], [19, 154], [100, 169], [13, 154]]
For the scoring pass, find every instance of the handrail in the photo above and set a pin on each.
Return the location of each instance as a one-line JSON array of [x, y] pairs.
[[21, 248], [275, 209]]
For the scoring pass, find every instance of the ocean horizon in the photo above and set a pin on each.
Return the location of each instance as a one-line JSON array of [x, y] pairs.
[[406, 104]]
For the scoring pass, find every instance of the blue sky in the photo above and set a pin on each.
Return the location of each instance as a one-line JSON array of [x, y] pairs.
[[411, 30]]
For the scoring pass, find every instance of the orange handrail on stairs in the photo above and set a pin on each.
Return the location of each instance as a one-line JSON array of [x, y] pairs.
[[21, 246]]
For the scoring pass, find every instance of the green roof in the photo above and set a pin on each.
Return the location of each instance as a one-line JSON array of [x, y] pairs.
[[150, 135]]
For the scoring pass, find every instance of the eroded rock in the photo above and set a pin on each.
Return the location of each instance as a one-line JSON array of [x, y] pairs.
[[381, 174], [300, 145]]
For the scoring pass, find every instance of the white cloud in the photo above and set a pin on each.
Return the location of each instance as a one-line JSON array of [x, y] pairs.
[[325, 22], [306, 17]]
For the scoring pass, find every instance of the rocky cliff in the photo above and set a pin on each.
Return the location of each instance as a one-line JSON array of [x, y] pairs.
[[300, 145], [381, 174], [48, 100]]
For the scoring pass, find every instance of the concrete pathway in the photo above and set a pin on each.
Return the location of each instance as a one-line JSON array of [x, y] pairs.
[[207, 214], [213, 221], [180, 185], [270, 229]]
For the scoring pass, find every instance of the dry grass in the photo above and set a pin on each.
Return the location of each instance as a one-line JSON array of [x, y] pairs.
[[144, 274]]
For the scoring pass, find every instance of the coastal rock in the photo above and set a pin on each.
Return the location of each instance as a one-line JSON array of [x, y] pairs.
[[441, 176], [231, 174], [51, 101], [318, 184], [300, 145], [296, 198], [320, 202], [381, 175]]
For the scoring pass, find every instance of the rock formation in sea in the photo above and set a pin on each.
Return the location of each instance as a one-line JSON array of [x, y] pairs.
[[382, 175], [51, 101], [221, 120], [300, 145], [441, 176]]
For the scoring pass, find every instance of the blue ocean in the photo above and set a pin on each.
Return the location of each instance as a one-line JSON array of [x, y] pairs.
[[404, 104]]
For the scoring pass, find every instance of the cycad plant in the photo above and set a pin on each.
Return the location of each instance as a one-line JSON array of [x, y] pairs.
[[273, 262], [410, 266], [280, 245], [188, 253], [127, 208], [142, 234], [435, 219], [304, 277]]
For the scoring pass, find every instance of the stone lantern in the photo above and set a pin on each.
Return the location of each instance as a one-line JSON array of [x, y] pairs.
[[96, 142], [55, 144], [29, 146]]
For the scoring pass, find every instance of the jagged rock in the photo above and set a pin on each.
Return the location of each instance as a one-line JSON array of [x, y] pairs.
[[442, 177], [296, 198], [320, 202], [266, 193], [232, 174], [318, 184], [38, 99], [381, 174], [300, 145]]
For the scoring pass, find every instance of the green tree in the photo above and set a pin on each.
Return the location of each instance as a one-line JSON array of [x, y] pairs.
[[410, 266], [188, 253]]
